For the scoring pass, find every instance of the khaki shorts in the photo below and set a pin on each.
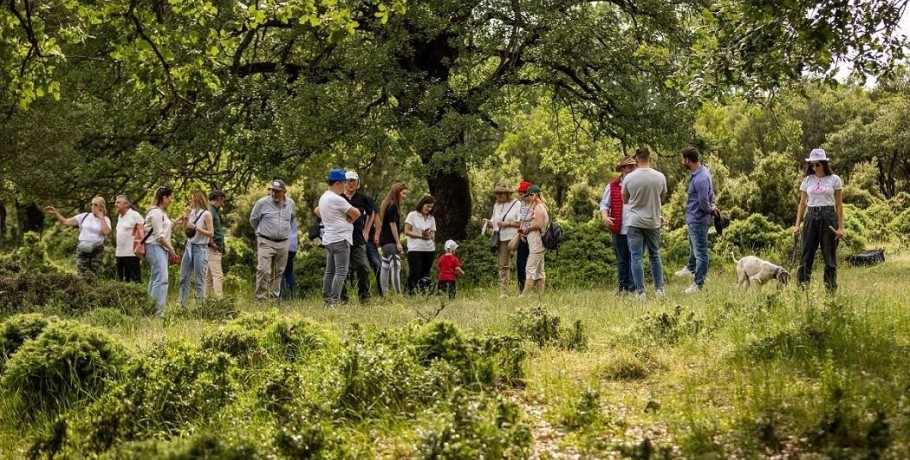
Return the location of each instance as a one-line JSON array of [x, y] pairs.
[[534, 269]]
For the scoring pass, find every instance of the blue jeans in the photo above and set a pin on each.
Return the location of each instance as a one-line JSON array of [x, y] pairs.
[[288, 280], [157, 258], [192, 267], [639, 238], [623, 262], [698, 252], [337, 256], [373, 258]]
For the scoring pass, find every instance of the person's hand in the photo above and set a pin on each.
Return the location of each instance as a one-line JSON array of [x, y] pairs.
[[797, 230], [607, 220], [521, 231], [50, 209], [97, 212], [663, 221], [400, 249], [366, 234], [838, 232], [376, 240]]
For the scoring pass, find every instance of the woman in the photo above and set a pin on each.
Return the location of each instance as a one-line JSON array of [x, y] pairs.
[[505, 220], [420, 228], [198, 224], [94, 227], [158, 248], [521, 250], [388, 238], [615, 215], [535, 224], [823, 225]]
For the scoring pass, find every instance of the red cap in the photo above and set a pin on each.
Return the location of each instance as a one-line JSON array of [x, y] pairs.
[[524, 186]]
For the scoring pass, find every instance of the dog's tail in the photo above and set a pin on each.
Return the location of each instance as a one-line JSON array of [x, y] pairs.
[[733, 255]]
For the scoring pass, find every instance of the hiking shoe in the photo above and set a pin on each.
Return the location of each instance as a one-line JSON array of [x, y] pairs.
[[685, 273], [641, 296], [659, 293], [692, 289]]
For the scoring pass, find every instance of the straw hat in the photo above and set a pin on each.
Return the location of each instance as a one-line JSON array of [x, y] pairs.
[[627, 161]]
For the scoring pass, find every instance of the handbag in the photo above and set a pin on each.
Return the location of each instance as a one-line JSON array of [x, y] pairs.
[[139, 238], [513, 243], [86, 248], [494, 239], [191, 232]]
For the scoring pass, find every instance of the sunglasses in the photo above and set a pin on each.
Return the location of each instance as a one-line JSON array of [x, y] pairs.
[[817, 164]]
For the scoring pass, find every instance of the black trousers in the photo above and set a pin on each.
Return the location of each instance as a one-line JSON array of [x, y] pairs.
[[815, 235], [446, 287], [128, 269], [521, 260], [359, 269], [419, 265]]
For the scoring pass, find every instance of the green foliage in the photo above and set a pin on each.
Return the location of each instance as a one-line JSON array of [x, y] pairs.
[[584, 413], [753, 235], [70, 295], [666, 328], [106, 317], [17, 329], [631, 366], [543, 328], [582, 203], [586, 258], [476, 427], [197, 447], [211, 309], [900, 226], [64, 364], [312, 439], [29, 257]]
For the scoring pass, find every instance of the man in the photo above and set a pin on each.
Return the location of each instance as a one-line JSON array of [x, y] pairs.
[[337, 216], [271, 219], [699, 208], [644, 190], [359, 264], [214, 276], [128, 266], [288, 279], [615, 216]]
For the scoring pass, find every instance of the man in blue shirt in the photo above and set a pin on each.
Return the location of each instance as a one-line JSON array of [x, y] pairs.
[[699, 208]]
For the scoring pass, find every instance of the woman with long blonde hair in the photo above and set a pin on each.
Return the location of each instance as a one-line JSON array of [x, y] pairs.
[[199, 229], [94, 227], [538, 219], [158, 247], [389, 238]]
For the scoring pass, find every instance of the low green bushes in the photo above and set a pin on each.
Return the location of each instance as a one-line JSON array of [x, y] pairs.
[[543, 328], [70, 295]]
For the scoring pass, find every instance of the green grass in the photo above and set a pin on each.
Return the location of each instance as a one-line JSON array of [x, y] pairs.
[[747, 374]]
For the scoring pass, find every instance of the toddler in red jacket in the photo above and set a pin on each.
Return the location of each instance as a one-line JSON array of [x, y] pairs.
[[449, 265]]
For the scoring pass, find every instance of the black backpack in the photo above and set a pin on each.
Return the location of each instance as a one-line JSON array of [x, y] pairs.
[[553, 237]]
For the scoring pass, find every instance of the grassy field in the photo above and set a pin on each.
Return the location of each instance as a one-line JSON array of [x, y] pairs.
[[719, 374]]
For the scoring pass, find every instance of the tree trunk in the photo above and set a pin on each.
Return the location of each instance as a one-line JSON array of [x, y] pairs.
[[452, 192], [2, 220], [30, 218]]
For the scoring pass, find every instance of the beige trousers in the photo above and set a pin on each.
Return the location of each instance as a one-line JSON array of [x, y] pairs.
[[214, 276], [504, 255], [273, 257]]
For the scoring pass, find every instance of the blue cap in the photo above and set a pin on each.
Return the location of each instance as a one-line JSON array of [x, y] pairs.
[[336, 174]]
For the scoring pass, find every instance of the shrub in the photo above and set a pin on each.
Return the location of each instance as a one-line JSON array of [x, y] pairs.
[[210, 309], [631, 367], [243, 344], [199, 446], [666, 328], [540, 326], [752, 235], [65, 363], [476, 426], [69, 294], [106, 317], [584, 413], [311, 439], [16, 330], [29, 257]]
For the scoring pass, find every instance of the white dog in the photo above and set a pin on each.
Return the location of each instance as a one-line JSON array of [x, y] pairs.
[[751, 269]]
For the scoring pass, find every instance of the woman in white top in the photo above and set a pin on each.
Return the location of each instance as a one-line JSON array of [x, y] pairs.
[[158, 248], [823, 225], [198, 227], [506, 220], [420, 228], [94, 227], [538, 219]]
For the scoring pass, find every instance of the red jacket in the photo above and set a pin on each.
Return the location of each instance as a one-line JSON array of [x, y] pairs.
[[616, 205]]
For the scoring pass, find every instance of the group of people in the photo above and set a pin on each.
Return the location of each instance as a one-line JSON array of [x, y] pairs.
[[363, 240], [201, 261]]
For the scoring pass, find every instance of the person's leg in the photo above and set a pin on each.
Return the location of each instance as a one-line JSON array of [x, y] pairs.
[[360, 267], [413, 272], [95, 259], [329, 275], [623, 274], [521, 263], [692, 261], [342, 254], [810, 237], [121, 269], [698, 239], [636, 248], [186, 268], [133, 269], [829, 249], [214, 277], [200, 256], [288, 282], [157, 258], [652, 241], [280, 261], [532, 270], [373, 257], [426, 266], [264, 255], [504, 256]]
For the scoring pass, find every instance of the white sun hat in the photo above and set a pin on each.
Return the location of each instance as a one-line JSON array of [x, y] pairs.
[[817, 155]]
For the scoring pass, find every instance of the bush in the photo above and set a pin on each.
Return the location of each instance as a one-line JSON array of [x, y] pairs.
[[106, 317], [584, 413], [29, 257], [311, 439], [666, 328], [540, 326], [70, 295], [753, 235], [16, 330], [199, 446], [65, 363], [243, 344], [210, 309], [631, 367]]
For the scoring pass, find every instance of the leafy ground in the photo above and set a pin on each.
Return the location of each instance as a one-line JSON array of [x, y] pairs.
[[776, 373]]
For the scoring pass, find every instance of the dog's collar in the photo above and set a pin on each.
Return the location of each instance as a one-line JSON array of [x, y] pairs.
[[777, 271]]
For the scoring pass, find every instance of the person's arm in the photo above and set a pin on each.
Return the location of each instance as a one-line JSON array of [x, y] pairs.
[[605, 211], [69, 221], [703, 196], [255, 216], [317, 212], [537, 222], [431, 234], [371, 217], [625, 196], [800, 210], [839, 206], [105, 225], [352, 214], [409, 231], [209, 229]]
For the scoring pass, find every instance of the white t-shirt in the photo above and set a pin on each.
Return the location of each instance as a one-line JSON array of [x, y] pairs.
[[199, 214], [158, 225], [418, 225], [90, 228], [509, 212], [644, 187], [333, 209], [821, 189], [125, 224]]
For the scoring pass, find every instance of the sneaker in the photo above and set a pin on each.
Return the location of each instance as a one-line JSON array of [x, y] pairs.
[[641, 296], [659, 293], [503, 296], [685, 273], [692, 289]]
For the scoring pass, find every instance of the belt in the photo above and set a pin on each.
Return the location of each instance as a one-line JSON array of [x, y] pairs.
[[276, 240], [820, 208]]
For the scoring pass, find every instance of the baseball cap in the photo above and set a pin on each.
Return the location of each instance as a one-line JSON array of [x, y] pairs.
[[351, 175], [450, 245], [336, 175], [524, 186], [277, 184], [532, 190]]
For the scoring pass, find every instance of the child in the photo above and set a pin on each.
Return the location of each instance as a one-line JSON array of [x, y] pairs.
[[448, 265]]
